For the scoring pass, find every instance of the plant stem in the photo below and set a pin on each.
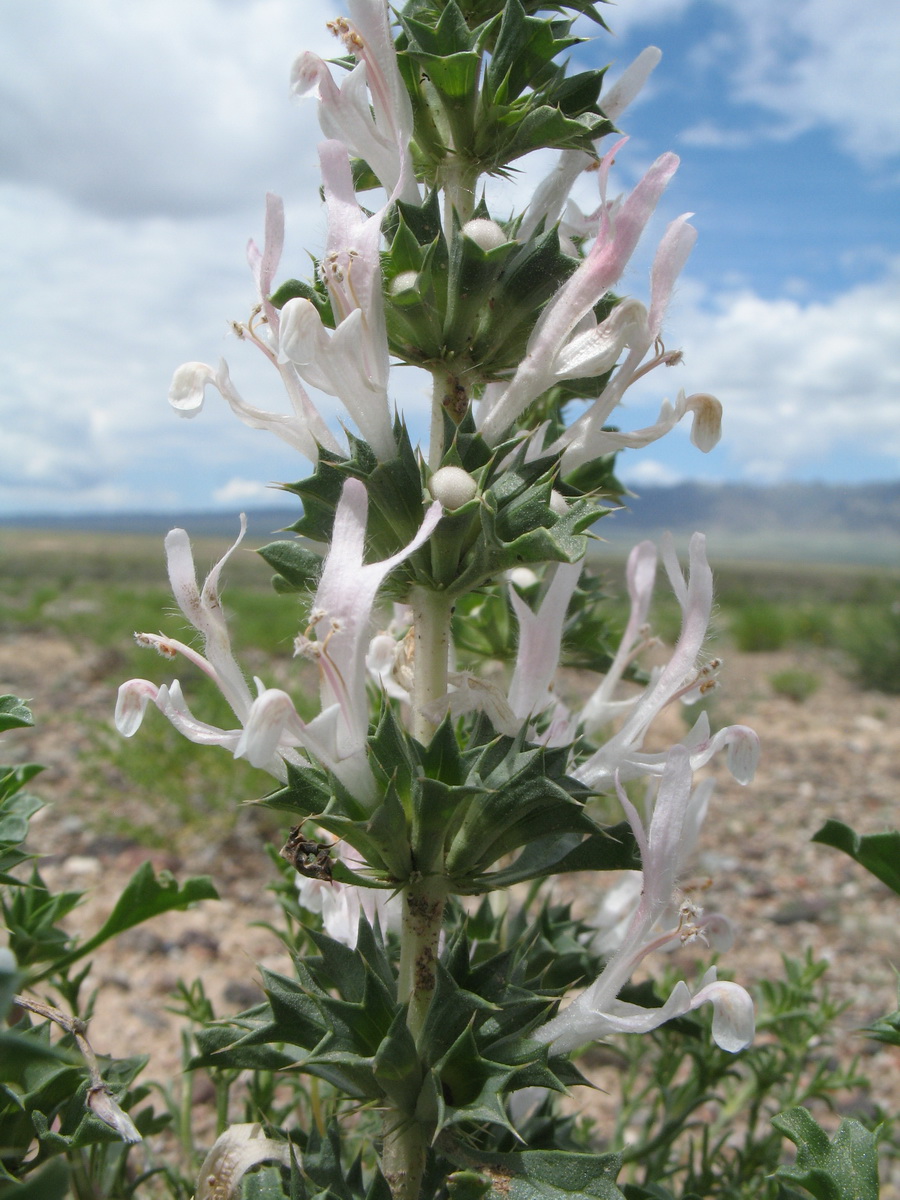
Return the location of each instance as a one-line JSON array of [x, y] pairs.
[[436, 434], [406, 1134], [431, 620], [403, 1155]]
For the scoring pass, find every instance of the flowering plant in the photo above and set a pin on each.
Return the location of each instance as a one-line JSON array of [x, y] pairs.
[[427, 780]]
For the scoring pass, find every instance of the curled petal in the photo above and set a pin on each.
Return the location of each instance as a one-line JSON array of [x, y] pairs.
[[734, 1023], [707, 425], [741, 741], [188, 387], [718, 932], [131, 704], [271, 719]]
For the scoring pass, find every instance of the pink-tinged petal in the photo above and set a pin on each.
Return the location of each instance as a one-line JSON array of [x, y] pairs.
[[131, 704], [171, 703], [597, 350], [671, 255], [188, 387], [630, 83], [608, 257], [205, 613], [550, 195], [342, 610], [265, 264], [742, 744], [640, 575], [717, 931], [297, 432], [620, 751]]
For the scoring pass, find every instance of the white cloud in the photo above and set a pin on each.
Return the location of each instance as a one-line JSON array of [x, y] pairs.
[[647, 472], [162, 108], [98, 313], [818, 63], [241, 491], [802, 383]]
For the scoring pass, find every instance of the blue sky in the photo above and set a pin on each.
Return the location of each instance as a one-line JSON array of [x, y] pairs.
[[137, 143]]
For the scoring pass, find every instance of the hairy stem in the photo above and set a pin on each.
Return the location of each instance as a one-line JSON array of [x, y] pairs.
[[431, 620], [436, 435], [403, 1155], [406, 1134]]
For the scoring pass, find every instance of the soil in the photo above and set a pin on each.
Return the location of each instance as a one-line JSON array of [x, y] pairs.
[[837, 754]]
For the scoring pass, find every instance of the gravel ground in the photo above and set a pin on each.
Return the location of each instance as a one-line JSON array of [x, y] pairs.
[[835, 755]]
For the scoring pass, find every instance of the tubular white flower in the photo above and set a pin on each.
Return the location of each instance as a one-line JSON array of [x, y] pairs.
[[597, 1012], [551, 193], [640, 575], [270, 729], [304, 430], [587, 439], [540, 641], [619, 233], [341, 904], [621, 755], [381, 131], [350, 362], [341, 615]]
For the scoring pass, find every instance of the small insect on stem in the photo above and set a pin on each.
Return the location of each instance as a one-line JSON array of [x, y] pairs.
[[311, 859], [456, 399]]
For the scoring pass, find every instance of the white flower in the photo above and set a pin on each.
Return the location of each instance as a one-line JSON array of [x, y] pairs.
[[270, 729], [597, 1012], [546, 357], [350, 362], [681, 678], [371, 111], [550, 195], [303, 429]]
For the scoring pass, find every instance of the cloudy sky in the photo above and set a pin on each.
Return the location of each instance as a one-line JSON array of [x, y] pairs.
[[137, 142]]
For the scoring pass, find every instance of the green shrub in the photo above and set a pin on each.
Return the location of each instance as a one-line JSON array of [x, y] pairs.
[[760, 626], [871, 638], [795, 684]]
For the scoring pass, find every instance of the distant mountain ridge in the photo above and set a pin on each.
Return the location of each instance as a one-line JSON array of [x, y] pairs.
[[737, 508], [810, 521]]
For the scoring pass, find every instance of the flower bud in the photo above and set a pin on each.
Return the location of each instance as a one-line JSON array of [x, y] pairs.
[[484, 233], [453, 487], [406, 281]]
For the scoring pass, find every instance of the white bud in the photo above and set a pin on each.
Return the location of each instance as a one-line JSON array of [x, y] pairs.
[[453, 487], [406, 281], [558, 503], [486, 234], [522, 577]]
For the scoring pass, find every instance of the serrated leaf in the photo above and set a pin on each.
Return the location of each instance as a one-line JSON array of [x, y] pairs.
[[613, 849], [397, 1066], [145, 895], [845, 1168], [297, 566], [552, 1175]]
